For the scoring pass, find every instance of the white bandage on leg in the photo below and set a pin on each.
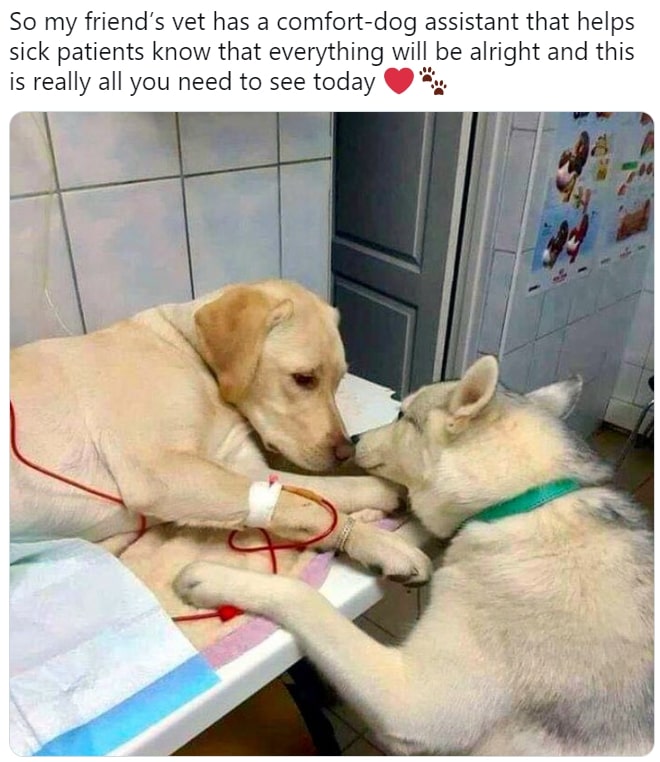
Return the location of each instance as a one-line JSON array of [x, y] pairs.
[[262, 499]]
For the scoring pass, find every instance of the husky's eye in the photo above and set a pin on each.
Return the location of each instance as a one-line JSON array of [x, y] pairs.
[[305, 380], [410, 420]]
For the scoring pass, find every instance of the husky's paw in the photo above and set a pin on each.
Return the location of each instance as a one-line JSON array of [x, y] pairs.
[[210, 585], [204, 584], [395, 557]]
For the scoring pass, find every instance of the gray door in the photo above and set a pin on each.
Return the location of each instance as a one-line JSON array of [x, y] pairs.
[[395, 188]]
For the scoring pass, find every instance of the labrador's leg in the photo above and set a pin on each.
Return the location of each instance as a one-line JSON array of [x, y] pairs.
[[355, 492], [188, 489], [349, 494], [369, 496]]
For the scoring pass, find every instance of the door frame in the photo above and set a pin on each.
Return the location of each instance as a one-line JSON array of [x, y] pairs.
[[455, 251], [485, 185]]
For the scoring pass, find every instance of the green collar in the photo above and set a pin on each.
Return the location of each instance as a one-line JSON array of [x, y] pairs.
[[527, 501]]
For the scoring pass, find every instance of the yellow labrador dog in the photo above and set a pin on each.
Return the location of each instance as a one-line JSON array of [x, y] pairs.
[[171, 411], [538, 638]]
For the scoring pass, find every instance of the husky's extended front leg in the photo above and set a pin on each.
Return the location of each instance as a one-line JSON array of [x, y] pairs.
[[369, 674], [437, 693]]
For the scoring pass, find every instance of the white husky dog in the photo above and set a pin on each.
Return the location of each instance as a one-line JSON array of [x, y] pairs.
[[538, 638]]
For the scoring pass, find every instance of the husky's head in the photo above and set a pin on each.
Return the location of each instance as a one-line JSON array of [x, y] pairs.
[[460, 446]]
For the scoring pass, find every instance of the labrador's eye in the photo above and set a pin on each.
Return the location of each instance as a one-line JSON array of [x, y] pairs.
[[305, 380], [400, 415]]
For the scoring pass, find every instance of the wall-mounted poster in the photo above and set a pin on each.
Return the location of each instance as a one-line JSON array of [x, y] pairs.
[[630, 225], [599, 198]]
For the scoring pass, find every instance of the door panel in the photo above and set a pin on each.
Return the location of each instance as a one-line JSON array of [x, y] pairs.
[[377, 180], [395, 184], [368, 315]]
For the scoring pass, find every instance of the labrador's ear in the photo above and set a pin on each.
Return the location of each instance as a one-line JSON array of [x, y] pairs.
[[231, 332], [472, 393]]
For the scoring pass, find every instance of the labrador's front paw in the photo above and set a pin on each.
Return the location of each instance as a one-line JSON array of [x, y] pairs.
[[368, 515], [373, 493]]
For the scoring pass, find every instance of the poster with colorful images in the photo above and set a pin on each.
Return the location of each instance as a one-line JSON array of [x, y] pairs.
[[629, 227], [577, 199]]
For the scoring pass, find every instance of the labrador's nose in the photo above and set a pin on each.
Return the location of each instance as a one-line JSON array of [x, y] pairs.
[[355, 438], [343, 449]]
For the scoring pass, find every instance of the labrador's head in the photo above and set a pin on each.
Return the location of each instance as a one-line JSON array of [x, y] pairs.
[[276, 352]]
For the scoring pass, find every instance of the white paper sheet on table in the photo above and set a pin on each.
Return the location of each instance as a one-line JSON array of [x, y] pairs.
[[365, 405], [94, 660]]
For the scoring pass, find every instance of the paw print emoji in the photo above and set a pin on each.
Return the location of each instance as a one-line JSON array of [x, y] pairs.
[[427, 74], [439, 87]]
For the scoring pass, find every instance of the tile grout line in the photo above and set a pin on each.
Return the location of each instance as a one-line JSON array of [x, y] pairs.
[[363, 737], [65, 224], [184, 203], [279, 194], [156, 178], [337, 716], [355, 734], [643, 483], [380, 627]]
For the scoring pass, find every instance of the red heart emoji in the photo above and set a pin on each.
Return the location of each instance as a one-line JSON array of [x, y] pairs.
[[399, 80]]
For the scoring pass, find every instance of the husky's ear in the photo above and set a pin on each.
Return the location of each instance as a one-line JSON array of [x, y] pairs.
[[472, 393], [558, 399]]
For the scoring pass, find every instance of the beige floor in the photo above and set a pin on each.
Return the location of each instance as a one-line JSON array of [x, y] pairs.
[[636, 472], [392, 617]]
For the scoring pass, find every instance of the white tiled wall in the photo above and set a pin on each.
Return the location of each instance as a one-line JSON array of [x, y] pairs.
[[632, 391], [582, 327], [128, 244], [112, 213], [205, 139], [229, 244], [96, 148], [37, 232]]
